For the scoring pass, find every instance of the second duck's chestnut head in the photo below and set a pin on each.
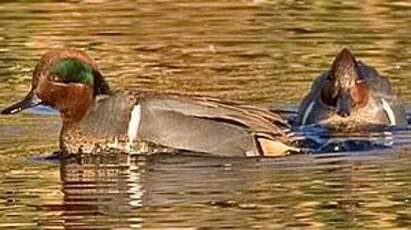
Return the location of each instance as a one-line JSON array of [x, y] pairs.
[[345, 89]]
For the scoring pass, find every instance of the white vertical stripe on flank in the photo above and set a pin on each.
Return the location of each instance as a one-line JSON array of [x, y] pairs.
[[307, 112], [134, 123], [390, 113]]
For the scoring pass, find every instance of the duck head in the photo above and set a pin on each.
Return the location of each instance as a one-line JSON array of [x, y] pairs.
[[66, 79], [345, 89]]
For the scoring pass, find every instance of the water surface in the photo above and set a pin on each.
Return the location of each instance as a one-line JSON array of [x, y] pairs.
[[260, 52]]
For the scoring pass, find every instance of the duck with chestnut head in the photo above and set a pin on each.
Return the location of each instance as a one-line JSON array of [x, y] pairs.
[[96, 118], [351, 96]]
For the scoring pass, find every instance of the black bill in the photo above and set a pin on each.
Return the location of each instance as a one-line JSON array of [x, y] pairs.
[[31, 100]]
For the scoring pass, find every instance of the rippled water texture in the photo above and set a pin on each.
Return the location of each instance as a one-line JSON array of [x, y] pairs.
[[260, 52]]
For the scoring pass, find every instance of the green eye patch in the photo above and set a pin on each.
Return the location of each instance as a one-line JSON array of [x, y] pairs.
[[72, 70]]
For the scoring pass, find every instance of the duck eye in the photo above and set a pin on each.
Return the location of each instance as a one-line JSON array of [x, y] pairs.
[[55, 78]]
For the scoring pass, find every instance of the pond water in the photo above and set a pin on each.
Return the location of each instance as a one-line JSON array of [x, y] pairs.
[[254, 51]]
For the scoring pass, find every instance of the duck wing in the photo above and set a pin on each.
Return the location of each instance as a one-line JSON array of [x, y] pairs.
[[211, 126]]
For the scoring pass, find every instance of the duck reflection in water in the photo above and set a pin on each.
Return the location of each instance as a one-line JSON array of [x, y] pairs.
[[103, 190], [121, 191]]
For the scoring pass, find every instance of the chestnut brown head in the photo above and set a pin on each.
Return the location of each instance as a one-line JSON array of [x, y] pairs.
[[345, 88], [66, 79]]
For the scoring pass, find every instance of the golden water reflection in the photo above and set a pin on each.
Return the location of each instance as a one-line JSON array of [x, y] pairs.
[[123, 192], [256, 51]]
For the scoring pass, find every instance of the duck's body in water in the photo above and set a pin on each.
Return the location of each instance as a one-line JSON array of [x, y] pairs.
[[96, 118]]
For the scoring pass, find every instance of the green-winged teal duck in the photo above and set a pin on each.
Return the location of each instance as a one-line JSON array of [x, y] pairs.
[[95, 117], [351, 95]]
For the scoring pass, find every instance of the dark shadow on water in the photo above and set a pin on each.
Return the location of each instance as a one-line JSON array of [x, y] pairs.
[[320, 140], [43, 110], [317, 139]]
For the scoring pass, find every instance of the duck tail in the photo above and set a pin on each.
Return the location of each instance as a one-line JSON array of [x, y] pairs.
[[268, 145]]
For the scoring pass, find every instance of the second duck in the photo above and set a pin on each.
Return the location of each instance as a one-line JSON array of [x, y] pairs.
[[351, 96]]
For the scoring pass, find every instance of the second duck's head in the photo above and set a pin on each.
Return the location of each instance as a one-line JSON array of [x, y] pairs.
[[345, 89], [66, 79]]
